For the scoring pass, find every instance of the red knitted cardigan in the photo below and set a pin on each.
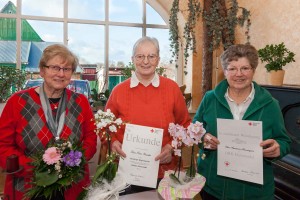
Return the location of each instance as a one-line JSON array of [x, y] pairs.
[[150, 106]]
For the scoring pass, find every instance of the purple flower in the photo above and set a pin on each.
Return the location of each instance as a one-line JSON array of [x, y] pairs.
[[73, 158]]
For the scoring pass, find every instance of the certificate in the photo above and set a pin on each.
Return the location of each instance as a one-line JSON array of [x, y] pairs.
[[239, 154], [141, 145]]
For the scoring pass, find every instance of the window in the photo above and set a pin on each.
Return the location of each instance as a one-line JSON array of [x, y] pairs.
[[99, 32]]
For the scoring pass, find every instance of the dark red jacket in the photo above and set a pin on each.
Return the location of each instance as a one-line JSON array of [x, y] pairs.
[[23, 131]]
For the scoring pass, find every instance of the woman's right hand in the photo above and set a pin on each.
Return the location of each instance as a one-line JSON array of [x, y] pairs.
[[117, 148], [210, 142]]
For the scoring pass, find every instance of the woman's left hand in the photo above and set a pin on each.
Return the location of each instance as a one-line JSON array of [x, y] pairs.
[[271, 148], [166, 154]]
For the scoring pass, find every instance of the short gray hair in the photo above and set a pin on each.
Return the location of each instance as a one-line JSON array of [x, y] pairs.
[[237, 51], [153, 40]]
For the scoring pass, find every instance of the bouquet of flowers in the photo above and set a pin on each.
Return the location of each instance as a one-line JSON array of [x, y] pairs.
[[107, 124], [190, 183], [105, 183], [56, 169]]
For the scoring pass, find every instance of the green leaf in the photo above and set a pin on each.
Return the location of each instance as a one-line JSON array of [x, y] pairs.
[[111, 172], [100, 170], [64, 181], [174, 178], [45, 179], [82, 194]]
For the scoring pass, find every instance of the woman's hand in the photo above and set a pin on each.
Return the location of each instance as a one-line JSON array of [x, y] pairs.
[[271, 148], [117, 147], [210, 141], [166, 154]]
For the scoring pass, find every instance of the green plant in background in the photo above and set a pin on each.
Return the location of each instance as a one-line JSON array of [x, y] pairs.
[[221, 22], [189, 33], [160, 71], [101, 98], [10, 78], [276, 56], [173, 31], [128, 69], [194, 12]]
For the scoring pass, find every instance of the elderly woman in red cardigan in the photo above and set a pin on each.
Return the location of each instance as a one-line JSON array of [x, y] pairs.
[[148, 99], [29, 120]]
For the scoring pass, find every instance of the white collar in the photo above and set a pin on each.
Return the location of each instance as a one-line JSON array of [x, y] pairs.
[[134, 81], [250, 96]]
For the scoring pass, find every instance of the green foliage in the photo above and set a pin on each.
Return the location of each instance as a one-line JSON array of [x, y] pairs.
[[194, 12], [101, 98], [127, 71], [107, 170], [173, 30], [47, 179], [189, 33], [219, 25], [160, 70], [276, 56], [10, 77], [219, 22]]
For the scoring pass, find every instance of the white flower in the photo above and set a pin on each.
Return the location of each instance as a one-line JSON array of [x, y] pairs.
[[113, 128], [69, 144], [57, 166], [118, 121]]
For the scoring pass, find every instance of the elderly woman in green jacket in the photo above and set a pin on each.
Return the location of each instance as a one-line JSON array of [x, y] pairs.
[[240, 98]]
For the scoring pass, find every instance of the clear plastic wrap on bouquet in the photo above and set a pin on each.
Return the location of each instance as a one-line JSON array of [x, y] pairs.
[[171, 190], [106, 190]]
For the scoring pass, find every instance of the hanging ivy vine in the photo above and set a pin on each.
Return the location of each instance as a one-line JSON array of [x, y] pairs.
[[189, 29], [194, 12], [219, 25], [173, 31]]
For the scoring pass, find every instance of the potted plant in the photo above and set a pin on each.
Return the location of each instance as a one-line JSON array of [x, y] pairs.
[[276, 56], [99, 99], [11, 80]]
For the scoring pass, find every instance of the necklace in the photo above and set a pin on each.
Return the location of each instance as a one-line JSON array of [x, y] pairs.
[[54, 102]]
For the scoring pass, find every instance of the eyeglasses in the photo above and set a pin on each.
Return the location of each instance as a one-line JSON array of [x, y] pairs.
[[56, 69], [243, 70], [151, 58]]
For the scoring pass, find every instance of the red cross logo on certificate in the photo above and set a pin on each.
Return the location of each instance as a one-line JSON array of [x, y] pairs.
[[227, 163], [151, 130], [250, 124]]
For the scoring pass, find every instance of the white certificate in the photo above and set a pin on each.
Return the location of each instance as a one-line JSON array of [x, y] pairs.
[[239, 154], [141, 145]]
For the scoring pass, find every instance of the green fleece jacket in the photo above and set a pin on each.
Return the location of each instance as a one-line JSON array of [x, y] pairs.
[[263, 108]]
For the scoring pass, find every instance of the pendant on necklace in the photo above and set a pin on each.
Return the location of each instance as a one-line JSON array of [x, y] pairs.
[[55, 106]]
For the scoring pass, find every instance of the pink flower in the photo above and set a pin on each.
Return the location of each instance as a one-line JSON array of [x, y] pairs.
[[51, 156]]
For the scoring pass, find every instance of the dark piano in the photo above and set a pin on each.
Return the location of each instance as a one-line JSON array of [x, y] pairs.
[[287, 170]]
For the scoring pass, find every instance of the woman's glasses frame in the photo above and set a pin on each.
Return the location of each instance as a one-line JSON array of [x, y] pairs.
[[243, 70], [56, 69], [151, 58]]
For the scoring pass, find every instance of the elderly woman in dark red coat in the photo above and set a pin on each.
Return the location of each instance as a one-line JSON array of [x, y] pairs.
[[28, 121]]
